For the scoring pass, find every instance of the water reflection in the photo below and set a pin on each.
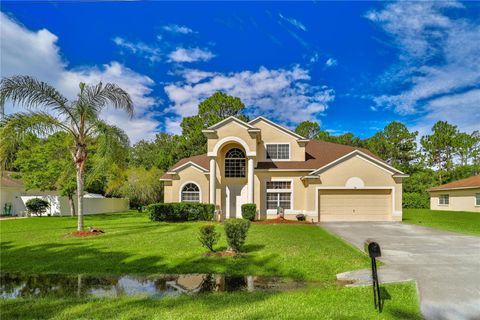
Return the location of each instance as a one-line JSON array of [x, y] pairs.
[[14, 285]]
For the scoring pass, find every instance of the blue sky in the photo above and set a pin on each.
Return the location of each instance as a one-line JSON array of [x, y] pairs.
[[351, 66]]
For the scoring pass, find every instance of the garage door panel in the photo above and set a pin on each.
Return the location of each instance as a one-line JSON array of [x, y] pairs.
[[355, 204]]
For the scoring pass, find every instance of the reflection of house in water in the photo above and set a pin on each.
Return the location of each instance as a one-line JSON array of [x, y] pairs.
[[58, 285], [195, 283]]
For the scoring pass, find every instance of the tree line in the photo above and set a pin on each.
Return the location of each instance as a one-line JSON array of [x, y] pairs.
[[43, 154]]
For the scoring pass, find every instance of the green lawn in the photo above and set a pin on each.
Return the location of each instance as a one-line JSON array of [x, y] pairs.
[[457, 221], [134, 245]]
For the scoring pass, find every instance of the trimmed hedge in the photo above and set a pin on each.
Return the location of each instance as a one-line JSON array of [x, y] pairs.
[[249, 210], [180, 211]]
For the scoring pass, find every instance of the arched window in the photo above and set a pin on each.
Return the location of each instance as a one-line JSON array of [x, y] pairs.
[[190, 193], [235, 163]]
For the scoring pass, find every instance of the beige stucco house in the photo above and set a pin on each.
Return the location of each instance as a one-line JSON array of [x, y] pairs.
[[264, 163], [460, 195]]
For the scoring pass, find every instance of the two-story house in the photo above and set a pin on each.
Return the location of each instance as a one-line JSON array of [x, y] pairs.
[[264, 163]]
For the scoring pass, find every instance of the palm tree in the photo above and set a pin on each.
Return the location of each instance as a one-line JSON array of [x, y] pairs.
[[78, 118]]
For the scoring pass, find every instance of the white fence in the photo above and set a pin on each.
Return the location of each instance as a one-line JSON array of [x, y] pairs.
[[59, 205]]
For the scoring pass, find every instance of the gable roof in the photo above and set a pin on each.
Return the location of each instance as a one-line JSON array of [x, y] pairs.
[[273, 124], [467, 183], [228, 120], [199, 160], [318, 154]]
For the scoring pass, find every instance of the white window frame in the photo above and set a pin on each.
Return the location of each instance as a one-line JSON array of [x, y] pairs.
[[199, 190], [276, 143], [291, 191], [444, 203], [244, 159], [477, 199]]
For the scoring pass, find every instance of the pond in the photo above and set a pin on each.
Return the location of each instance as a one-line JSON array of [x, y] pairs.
[[16, 285]]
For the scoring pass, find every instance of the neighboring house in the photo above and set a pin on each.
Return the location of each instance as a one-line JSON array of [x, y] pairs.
[[14, 195], [460, 195], [264, 163]]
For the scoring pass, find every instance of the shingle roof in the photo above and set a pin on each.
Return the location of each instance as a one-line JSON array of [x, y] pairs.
[[470, 182], [7, 180], [318, 154]]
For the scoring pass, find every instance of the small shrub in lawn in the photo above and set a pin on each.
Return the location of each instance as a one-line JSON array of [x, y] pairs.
[[208, 236], [249, 210], [301, 217], [180, 211], [37, 206], [236, 233]]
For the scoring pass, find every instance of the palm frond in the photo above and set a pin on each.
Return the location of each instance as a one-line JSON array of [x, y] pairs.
[[30, 92], [15, 128], [112, 146], [99, 96]]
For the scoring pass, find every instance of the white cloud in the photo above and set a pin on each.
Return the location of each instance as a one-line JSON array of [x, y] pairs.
[[280, 94], [462, 109], [175, 28], [294, 22], [149, 52], [439, 59], [330, 62], [190, 55], [35, 53]]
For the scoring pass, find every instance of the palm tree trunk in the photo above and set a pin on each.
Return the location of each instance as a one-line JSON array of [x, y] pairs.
[[71, 204], [80, 197]]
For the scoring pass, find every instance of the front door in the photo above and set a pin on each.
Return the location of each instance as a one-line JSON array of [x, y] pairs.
[[236, 196]]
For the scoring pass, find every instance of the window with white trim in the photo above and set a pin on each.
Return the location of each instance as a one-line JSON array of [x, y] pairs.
[[235, 163], [279, 194], [279, 151], [444, 199], [190, 193], [477, 199]]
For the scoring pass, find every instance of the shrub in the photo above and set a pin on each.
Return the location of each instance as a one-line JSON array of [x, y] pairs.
[[249, 210], [180, 211], [208, 236], [416, 200], [301, 217], [37, 206], [236, 233]]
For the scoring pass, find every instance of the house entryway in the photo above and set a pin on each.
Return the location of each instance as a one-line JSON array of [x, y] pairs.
[[236, 195]]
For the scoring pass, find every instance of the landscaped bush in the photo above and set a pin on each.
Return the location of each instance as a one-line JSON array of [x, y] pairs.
[[415, 200], [249, 210], [37, 206], [301, 217], [180, 211], [208, 236], [236, 233]]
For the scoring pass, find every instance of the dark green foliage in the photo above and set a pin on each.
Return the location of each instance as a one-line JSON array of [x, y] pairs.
[[308, 129], [413, 200], [249, 211], [236, 233], [301, 217], [208, 236], [181, 211], [37, 206]]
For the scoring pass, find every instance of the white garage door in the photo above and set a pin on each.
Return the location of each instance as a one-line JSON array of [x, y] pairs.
[[355, 205]]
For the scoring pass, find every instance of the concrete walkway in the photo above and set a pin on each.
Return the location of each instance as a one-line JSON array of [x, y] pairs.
[[446, 265]]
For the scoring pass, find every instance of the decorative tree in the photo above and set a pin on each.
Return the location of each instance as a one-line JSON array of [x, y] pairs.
[[78, 118]]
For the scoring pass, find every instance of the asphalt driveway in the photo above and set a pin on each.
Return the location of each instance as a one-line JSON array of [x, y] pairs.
[[446, 265]]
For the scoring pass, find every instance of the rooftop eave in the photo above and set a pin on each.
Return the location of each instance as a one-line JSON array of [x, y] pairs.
[[453, 188]]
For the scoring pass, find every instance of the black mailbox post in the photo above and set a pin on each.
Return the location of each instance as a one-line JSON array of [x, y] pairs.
[[373, 249]]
